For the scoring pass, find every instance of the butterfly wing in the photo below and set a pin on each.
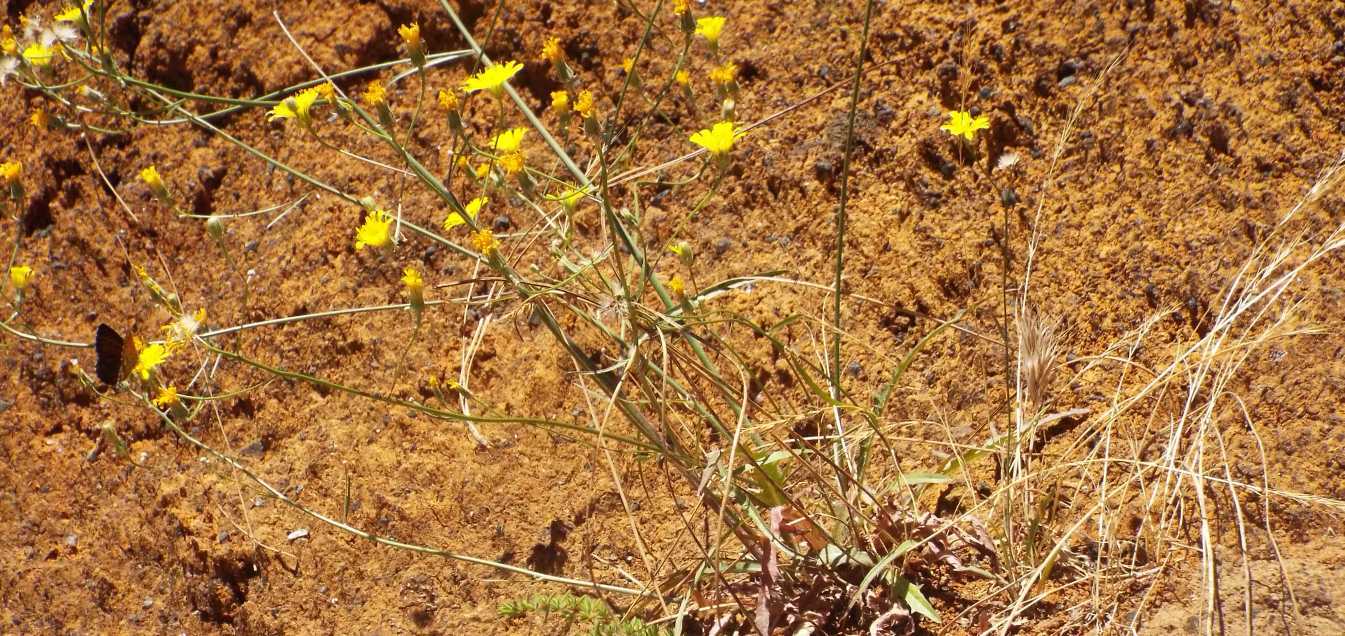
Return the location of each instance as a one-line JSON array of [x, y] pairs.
[[110, 347]]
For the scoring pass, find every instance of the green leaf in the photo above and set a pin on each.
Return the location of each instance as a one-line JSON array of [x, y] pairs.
[[915, 599]]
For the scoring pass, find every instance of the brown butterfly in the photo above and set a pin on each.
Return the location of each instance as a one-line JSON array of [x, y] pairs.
[[115, 357]]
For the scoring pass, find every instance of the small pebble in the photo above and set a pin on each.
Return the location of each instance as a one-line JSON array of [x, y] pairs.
[[722, 245]]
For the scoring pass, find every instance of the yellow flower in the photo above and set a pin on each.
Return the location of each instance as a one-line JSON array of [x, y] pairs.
[[508, 141], [70, 14], [485, 242], [679, 7], [628, 65], [683, 77], [710, 28], [473, 208], [961, 123], [38, 55], [74, 14], [679, 249], [411, 35], [8, 44], [492, 79], [376, 231], [725, 74], [718, 140], [584, 106], [677, 286], [448, 100], [152, 179], [148, 358], [415, 286], [481, 171], [167, 397], [296, 106], [327, 91], [560, 102], [511, 163], [41, 120], [551, 50], [20, 276], [10, 171], [375, 95]]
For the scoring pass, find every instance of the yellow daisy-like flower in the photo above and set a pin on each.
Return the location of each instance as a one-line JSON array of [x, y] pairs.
[[152, 179], [327, 91], [710, 28], [718, 140], [492, 79], [149, 358], [374, 94], [411, 35], [511, 163], [74, 14], [484, 241], [167, 397], [584, 105], [680, 249], [677, 286], [724, 74], [376, 231], [628, 65], [298, 106], [509, 140], [41, 120], [20, 276], [473, 208], [38, 55], [560, 102], [10, 172], [415, 286], [962, 124], [551, 50], [683, 77], [680, 7], [448, 100]]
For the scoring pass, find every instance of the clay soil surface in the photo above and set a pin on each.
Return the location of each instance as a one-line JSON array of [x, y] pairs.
[[1198, 125]]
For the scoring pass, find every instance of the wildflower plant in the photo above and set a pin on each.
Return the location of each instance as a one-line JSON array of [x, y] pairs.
[[657, 358]]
